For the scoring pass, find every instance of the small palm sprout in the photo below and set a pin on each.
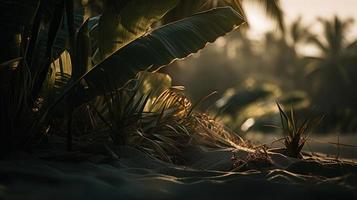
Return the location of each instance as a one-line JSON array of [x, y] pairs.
[[295, 133]]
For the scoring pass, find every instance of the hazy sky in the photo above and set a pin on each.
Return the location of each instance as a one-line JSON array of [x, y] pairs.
[[308, 9]]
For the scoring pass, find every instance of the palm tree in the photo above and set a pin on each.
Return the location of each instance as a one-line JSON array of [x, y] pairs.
[[332, 45], [298, 32], [283, 59], [331, 73]]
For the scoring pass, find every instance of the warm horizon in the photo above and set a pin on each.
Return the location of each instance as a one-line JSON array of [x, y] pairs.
[[259, 23]]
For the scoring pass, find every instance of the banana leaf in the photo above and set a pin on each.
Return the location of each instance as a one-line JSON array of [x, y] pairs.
[[162, 46], [125, 21]]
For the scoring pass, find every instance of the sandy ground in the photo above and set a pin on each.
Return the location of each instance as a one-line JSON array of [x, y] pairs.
[[322, 143], [207, 174]]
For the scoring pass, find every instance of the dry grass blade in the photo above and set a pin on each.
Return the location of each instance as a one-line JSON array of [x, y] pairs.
[[161, 125]]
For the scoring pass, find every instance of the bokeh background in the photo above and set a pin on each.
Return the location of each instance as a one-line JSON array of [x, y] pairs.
[[310, 66]]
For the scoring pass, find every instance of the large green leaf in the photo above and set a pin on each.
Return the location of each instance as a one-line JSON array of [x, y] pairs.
[[51, 43], [60, 36], [61, 69], [160, 47], [122, 23], [83, 50], [188, 7]]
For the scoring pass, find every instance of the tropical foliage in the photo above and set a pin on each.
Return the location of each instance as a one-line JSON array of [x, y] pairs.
[[58, 60]]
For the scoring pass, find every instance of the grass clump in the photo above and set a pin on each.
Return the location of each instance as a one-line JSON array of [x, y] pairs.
[[296, 132], [157, 119]]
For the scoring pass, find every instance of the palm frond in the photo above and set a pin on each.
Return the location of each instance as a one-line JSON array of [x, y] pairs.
[[274, 10]]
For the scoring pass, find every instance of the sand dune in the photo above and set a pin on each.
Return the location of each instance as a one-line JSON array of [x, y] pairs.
[[208, 174]]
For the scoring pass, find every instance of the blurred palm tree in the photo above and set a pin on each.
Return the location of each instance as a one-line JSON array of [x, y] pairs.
[[332, 73], [332, 46], [298, 32], [283, 59]]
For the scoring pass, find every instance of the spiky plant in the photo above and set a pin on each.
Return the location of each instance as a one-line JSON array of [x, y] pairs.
[[296, 133]]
